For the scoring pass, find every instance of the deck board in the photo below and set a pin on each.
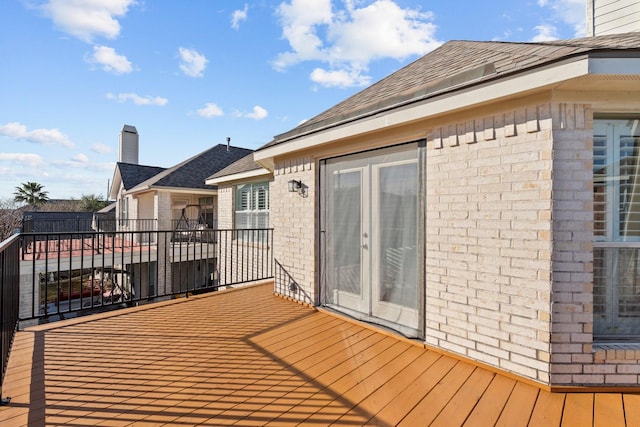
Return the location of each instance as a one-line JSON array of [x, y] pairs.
[[631, 404], [462, 403], [249, 358], [578, 410], [548, 410], [430, 406], [519, 407], [490, 406], [608, 410]]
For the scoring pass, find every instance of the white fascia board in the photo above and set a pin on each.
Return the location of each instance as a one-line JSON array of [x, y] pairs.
[[238, 176], [138, 190], [439, 104]]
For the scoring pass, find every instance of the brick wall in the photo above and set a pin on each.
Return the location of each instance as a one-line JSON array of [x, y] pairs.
[[509, 253], [225, 207], [488, 243], [293, 217], [576, 359]]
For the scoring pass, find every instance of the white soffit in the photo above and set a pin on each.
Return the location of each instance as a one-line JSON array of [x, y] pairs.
[[440, 104]]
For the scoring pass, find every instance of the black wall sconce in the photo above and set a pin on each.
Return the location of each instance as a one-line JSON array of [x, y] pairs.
[[295, 186]]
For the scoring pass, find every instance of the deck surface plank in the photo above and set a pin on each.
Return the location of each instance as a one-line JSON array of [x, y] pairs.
[[462, 403], [437, 398], [548, 409], [398, 408], [608, 410], [248, 358], [578, 410], [632, 409], [492, 402], [518, 409]]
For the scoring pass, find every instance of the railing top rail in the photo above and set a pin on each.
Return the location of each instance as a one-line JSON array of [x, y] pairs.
[[121, 231], [6, 242]]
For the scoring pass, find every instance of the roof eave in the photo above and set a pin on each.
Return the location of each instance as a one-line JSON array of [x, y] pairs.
[[184, 190], [256, 173], [448, 101]]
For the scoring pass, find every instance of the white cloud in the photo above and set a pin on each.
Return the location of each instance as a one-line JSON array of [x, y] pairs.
[[101, 148], [110, 60], [193, 63], [339, 78], [23, 159], [79, 161], [87, 19], [545, 33], [80, 158], [19, 131], [239, 16], [258, 113], [137, 99], [354, 37], [569, 12], [210, 110]]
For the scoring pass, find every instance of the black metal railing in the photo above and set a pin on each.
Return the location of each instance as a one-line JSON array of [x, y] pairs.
[[9, 300], [85, 223], [72, 273], [285, 285]]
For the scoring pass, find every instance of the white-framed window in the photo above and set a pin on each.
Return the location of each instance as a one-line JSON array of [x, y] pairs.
[[616, 228], [124, 210], [251, 208]]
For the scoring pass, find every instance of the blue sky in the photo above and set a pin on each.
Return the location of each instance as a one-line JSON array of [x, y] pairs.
[[189, 74]]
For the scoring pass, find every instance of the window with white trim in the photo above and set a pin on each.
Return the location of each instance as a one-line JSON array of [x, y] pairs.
[[252, 208], [124, 210], [616, 229]]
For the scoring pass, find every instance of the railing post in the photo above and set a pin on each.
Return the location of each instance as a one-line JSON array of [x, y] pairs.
[[9, 301]]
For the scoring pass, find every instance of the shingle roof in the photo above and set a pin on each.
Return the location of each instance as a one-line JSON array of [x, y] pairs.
[[133, 175], [454, 65], [193, 172], [245, 164]]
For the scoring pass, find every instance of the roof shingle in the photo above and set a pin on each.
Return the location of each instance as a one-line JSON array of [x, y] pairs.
[[454, 65]]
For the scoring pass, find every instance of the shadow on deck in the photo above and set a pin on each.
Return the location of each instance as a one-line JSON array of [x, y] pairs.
[[245, 357]]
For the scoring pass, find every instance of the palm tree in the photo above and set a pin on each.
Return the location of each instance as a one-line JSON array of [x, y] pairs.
[[31, 193]]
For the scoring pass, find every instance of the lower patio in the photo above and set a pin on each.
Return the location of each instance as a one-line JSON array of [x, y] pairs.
[[247, 357]]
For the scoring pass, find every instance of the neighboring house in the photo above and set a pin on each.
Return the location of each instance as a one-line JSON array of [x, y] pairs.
[[177, 196], [173, 199], [481, 200], [243, 204]]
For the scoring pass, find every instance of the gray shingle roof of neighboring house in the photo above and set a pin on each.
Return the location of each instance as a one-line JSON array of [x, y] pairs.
[[193, 172], [456, 65], [133, 175], [245, 164]]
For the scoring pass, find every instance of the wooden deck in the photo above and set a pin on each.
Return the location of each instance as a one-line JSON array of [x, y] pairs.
[[248, 358]]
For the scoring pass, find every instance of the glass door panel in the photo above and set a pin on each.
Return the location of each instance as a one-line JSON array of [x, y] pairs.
[[347, 261], [369, 223], [395, 242]]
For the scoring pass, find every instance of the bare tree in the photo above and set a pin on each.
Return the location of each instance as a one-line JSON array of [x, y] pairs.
[[10, 218]]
